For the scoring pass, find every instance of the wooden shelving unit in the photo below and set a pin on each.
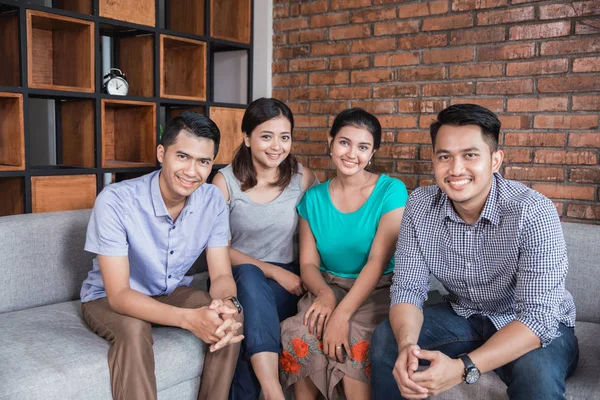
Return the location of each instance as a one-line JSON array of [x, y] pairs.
[[13, 196], [229, 121], [142, 12], [12, 137], [9, 48], [60, 52], [67, 192], [51, 77], [182, 68], [125, 139], [78, 6], [186, 16], [230, 20]]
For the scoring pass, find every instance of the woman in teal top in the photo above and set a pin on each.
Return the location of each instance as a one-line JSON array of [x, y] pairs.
[[348, 231]]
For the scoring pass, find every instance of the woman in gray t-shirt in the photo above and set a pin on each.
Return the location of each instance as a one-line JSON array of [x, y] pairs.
[[262, 187]]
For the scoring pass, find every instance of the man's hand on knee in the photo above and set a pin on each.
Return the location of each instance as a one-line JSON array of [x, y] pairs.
[[406, 364], [442, 374], [204, 323]]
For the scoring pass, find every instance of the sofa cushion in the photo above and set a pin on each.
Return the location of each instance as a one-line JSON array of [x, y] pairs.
[[49, 353], [583, 279], [583, 384], [42, 261]]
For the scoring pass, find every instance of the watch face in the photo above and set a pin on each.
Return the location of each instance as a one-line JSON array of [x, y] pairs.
[[472, 376], [117, 86]]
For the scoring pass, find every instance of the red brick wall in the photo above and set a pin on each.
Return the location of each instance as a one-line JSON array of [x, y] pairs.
[[535, 63]]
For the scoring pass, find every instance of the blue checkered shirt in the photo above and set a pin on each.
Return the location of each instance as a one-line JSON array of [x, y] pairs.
[[510, 265]]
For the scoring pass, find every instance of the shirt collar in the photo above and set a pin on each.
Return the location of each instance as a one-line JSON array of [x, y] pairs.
[[160, 208], [490, 210]]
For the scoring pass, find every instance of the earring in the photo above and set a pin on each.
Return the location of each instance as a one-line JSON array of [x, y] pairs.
[[331, 154]]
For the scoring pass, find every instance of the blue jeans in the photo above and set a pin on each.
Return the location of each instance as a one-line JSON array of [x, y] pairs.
[[265, 304], [539, 374]]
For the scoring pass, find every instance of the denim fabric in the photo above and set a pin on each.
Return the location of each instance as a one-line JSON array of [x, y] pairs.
[[265, 304], [539, 374]]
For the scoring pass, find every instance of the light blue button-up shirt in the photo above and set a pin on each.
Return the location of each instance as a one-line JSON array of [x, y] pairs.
[[131, 219]]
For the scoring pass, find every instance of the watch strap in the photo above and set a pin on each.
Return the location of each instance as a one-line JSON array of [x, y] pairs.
[[235, 302], [467, 361]]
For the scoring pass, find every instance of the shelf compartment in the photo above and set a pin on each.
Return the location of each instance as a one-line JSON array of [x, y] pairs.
[[128, 134], [62, 192], [60, 52], [186, 16], [229, 121], [12, 201], [142, 12], [62, 132], [9, 48], [133, 53], [12, 137], [182, 68], [78, 6], [230, 20], [230, 76]]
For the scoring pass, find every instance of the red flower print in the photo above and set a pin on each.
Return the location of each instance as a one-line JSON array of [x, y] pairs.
[[288, 363], [360, 350], [300, 347]]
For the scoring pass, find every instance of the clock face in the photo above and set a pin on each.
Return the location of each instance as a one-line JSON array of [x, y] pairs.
[[117, 86]]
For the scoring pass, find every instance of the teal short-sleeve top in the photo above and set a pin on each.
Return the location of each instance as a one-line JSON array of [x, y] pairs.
[[344, 239]]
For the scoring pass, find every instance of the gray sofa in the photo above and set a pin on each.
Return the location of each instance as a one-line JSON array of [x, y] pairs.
[[46, 350], [583, 281]]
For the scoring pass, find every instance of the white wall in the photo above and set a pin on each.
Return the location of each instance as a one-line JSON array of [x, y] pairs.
[[263, 49]]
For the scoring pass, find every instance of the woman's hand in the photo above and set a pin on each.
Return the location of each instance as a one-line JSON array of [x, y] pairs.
[[336, 339], [319, 311], [289, 281]]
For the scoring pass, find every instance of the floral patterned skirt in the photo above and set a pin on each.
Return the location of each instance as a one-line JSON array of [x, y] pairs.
[[303, 355]]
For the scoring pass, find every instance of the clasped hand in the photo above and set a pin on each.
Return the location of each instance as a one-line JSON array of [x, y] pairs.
[[442, 374], [215, 325]]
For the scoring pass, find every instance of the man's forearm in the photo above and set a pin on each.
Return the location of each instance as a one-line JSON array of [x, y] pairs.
[[506, 345], [138, 305], [406, 320], [223, 286]]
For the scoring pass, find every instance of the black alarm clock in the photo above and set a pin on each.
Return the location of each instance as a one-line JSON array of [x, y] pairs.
[[115, 83]]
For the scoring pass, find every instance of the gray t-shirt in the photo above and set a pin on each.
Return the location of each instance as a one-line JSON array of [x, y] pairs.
[[267, 232]]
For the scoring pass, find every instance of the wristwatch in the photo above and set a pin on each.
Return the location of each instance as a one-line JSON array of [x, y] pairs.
[[235, 302], [472, 373]]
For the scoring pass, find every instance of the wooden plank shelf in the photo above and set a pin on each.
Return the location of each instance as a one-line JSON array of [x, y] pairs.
[[60, 52], [186, 16], [142, 12], [13, 196], [12, 135], [9, 48], [230, 20], [128, 134], [62, 192], [182, 68], [229, 121]]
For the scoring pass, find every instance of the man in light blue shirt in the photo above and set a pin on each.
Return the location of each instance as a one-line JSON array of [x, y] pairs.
[[147, 233]]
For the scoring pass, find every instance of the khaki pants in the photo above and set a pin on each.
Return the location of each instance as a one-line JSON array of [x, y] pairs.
[[131, 359]]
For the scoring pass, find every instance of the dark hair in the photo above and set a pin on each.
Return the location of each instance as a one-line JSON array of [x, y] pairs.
[[469, 114], [358, 118], [195, 124], [260, 111]]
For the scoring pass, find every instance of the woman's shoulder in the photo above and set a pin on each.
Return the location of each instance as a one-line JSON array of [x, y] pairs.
[[390, 184]]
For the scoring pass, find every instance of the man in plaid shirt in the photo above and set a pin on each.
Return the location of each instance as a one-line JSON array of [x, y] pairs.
[[498, 249]]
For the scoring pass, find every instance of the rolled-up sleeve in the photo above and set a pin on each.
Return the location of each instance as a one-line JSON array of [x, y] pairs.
[[219, 234], [411, 274], [106, 234], [541, 272]]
